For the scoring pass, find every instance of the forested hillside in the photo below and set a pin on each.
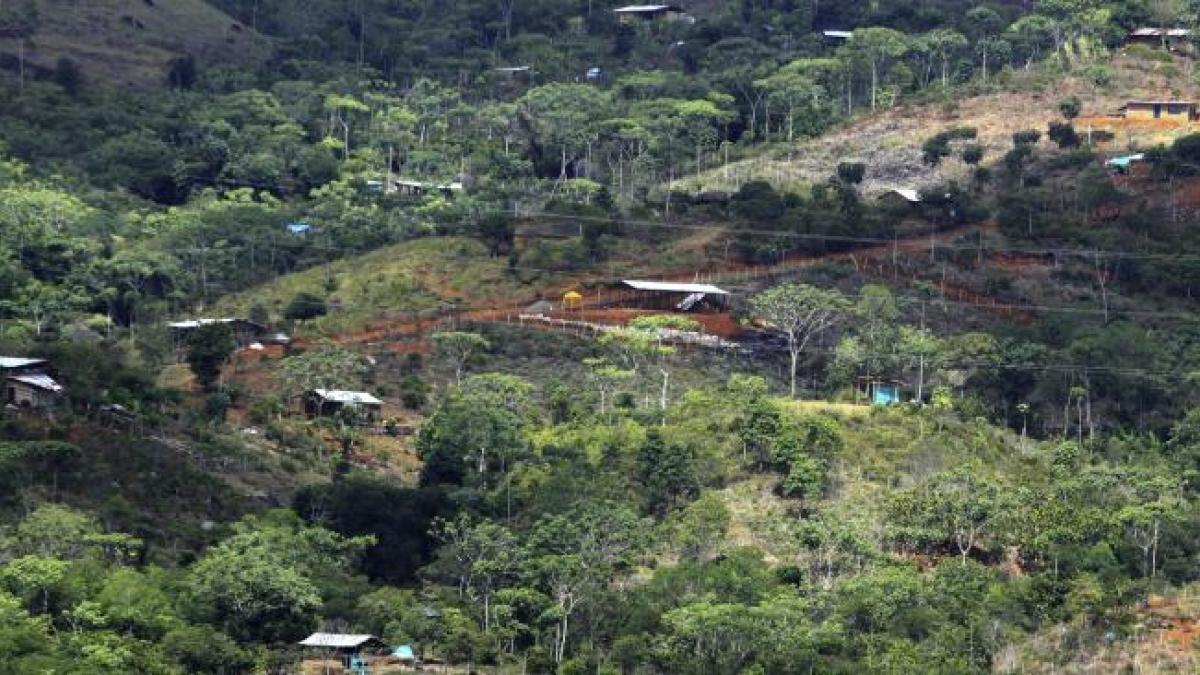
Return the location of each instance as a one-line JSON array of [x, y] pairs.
[[569, 336]]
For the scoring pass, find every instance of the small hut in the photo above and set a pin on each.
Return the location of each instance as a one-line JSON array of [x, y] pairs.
[[327, 402], [900, 199], [572, 300], [246, 332], [36, 391], [1165, 109], [355, 652], [1174, 39], [881, 391]]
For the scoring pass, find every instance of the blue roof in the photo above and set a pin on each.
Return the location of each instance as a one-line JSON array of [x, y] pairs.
[[299, 228], [1124, 161], [404, 653]]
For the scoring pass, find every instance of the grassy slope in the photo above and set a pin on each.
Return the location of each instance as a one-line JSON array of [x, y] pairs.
[[130, 42], [890, 142], [439, 273]]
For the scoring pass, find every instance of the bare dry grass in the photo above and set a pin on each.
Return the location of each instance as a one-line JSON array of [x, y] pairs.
[[889, 143]]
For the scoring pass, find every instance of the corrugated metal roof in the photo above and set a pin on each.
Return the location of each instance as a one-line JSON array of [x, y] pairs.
[[196, 323], [911, 195], [674, 287], [645, 9], [347, 397], [1158, 32], [44, 382], [839, 34], [19, 362], [336, 640]]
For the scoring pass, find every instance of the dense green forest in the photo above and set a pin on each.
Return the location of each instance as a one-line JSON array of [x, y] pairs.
[[944, 421]]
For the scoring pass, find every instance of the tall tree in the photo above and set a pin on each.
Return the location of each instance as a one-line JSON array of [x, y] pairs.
[[208, 349], [801, 312]]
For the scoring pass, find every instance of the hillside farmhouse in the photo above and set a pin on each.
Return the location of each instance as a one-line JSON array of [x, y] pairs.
[[1175, 39], [1165, 109], [327, 402], [27, 383]]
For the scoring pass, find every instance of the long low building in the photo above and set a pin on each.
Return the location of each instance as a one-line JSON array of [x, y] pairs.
[[676, 295]]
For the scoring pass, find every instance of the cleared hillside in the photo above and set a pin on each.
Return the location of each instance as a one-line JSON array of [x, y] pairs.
[[131, 42], [889, 143]]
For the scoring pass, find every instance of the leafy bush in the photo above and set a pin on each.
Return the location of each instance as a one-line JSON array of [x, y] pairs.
[[305, 306]]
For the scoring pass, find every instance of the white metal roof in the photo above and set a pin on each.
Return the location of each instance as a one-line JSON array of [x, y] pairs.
[[347, 397], [18, 362], [674, 287], [645, 9], [839, 34], [196, 323], [909, 194], [44, 382], [1158, 32], [336, 640]]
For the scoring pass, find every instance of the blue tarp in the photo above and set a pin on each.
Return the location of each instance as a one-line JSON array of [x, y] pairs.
[[886, 394], [299, 228], [1124, 161], [404, 653]]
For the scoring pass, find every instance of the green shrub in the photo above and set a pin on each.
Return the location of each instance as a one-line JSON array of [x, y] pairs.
[[305, 306]]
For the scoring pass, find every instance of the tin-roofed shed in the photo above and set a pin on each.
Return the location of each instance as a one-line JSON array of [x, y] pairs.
[[326, 402], [674, 295]]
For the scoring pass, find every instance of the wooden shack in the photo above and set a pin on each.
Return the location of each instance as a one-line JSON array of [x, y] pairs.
[[357, 653], [28, 384], [1166, 109], [1172, 39], [36, 391]]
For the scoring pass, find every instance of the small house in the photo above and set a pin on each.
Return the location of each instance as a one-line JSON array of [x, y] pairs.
[[37, 391], [631, 13], [299, 228], [881, 391], [245, 331], [838, 34], [898, 199], [670, 295], [328, 402], [417, 188], [1166, 109], [1174, 39], [572, 300], [27, 384], [356, 652]]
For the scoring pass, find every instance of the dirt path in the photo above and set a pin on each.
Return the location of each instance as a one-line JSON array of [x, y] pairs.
[[409, 334]]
